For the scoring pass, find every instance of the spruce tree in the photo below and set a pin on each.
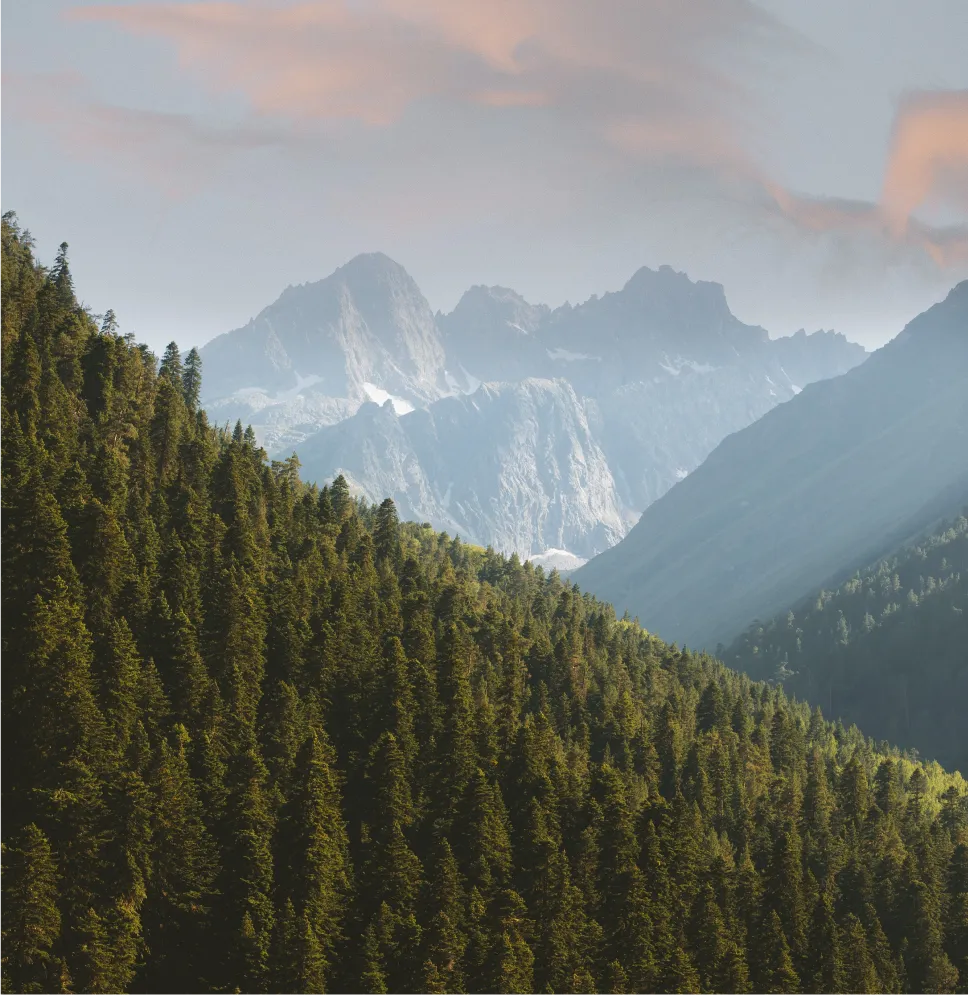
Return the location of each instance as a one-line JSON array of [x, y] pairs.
[[31, 917], [315, 850], [171, 367], [192, 379]]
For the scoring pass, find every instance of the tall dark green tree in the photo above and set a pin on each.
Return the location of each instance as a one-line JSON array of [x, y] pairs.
[[192, 379], [31, 917]]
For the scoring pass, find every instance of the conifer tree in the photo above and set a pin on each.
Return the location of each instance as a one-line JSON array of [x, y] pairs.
[[386, 533], [181, 890], [31, 917], [511, 962], [372, 978], [444, 936], [246, 909], [823, 949], [317, 873], [172, 367], [774, 970], [192, 379], [859, 972]]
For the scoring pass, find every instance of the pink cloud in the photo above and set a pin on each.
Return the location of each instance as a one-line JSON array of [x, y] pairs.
[[947, 247], [929, 155], [371, 61]]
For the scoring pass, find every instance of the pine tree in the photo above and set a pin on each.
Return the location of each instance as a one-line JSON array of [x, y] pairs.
[[372, 978], [31, 917], [181, 891], [192, 379], [58, 727], [317, 875], [823, 948], [455, 748], [511, 962], [246, 913], [485, 845], [773, 970], [171, 367], [859, 972], [339, 495], [444, 936], [386, 534]]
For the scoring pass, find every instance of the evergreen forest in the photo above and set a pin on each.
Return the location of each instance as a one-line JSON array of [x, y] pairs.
[[888, 649], [262, 737]]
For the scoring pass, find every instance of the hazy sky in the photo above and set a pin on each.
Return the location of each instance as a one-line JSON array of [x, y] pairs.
[[811, 155]]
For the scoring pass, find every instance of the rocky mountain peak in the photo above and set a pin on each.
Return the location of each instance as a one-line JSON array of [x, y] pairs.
[[365, 331], [666, 283], [492, 335], [370, 276], [371, 272], [658, 316], [481, 304]]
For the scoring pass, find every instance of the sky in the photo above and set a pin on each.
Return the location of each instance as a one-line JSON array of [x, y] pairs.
[[201, 156]]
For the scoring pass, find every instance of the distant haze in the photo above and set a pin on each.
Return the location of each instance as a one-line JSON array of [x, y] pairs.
[[200, 156]]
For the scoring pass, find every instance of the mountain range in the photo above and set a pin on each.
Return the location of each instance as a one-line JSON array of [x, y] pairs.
[[819, 487], [540, 431]]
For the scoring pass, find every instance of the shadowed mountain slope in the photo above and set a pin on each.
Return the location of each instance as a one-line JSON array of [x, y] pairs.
[[818, 487]]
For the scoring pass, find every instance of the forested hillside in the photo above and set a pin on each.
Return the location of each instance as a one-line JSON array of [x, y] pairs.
[[260, 737], [887, 650]]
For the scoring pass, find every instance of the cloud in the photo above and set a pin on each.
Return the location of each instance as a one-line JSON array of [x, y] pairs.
[[927, 161], [438, 108], [373, 59], [177, 153], [946, 246], [929, 155], [584, 87]]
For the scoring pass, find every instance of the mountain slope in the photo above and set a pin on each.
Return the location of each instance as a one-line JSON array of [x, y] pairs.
[[888, 649], [267, 738], [323, 348], [512, 465], [821, 485]]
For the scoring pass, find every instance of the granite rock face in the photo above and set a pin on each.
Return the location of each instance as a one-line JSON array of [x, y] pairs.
[[513, 465]]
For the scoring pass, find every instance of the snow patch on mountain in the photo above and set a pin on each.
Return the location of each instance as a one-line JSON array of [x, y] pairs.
[[675, 366], [567, 355], [380, 396], [558, 559]]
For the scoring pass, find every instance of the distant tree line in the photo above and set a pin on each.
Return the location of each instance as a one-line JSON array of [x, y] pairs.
[[887, 650]]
